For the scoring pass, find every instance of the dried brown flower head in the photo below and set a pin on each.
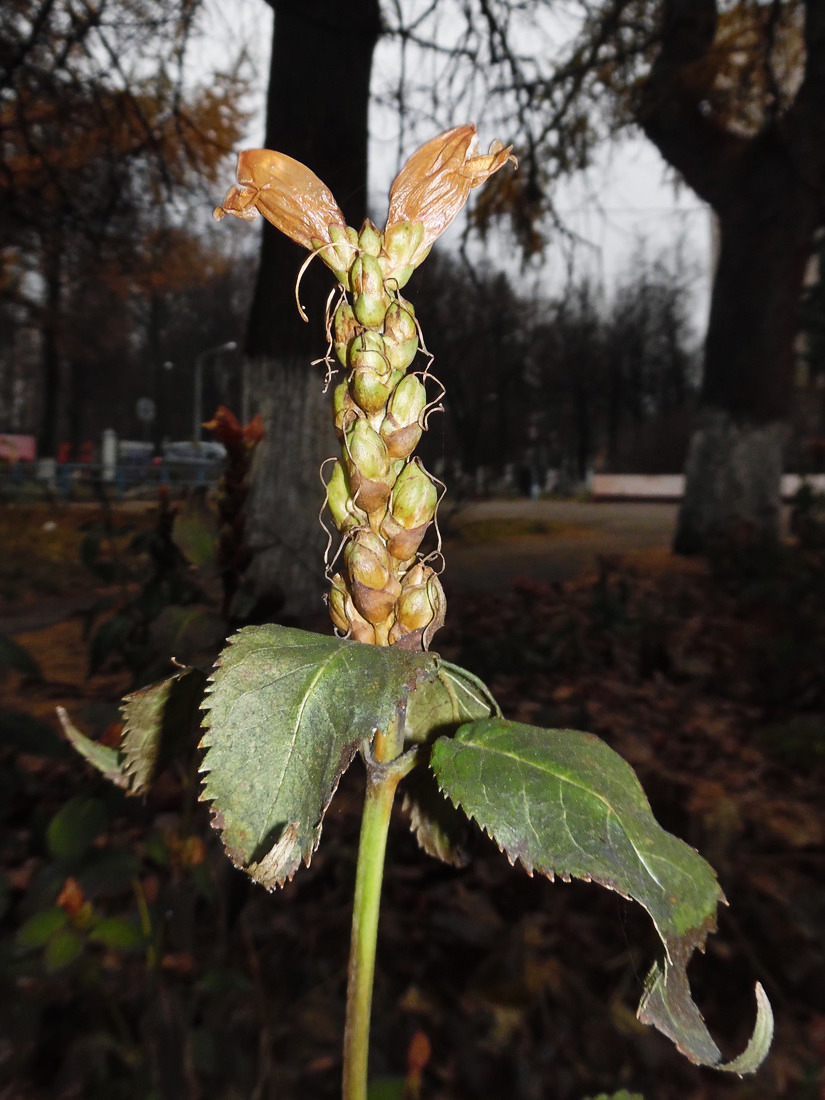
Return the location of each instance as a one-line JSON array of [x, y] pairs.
[[436, 181], [429, 192], [287, 193]]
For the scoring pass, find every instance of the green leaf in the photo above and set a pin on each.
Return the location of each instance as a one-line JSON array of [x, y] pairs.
[[62, 950], [195, 531], [108, 761], [563, 803], [158, 721], [18, 659], [387, 1088], [437, 708], [121, 935], [40, 927], [285, 713], [74, 827]]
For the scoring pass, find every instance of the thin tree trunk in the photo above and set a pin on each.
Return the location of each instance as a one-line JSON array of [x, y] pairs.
[[316, 112]]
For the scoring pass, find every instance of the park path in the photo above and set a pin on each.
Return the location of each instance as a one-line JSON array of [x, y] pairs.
[[577, 534], [487, 557]]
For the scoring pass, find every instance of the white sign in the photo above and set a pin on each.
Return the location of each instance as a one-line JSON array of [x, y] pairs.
[[145, 409]]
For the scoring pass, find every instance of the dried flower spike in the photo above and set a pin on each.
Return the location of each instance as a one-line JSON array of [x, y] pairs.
[[381, 499]]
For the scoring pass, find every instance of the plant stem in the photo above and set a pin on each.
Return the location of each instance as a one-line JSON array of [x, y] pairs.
[[382, 781]]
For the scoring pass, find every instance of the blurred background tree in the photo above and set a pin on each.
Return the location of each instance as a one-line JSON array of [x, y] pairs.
[[105, 145]]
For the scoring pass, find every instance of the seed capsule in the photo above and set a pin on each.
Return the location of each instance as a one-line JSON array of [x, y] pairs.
[[414, 497], [370, 240], [372, 381], [400, 242], [400, 335], [373, 586], [345, 513], [400, 429], [370, 300], [339, 258], [412, 507], [344, 328], [370, 390], [339, 597], [368, 467], [419, 610], [345, 411], [344, 615], [369, 350]]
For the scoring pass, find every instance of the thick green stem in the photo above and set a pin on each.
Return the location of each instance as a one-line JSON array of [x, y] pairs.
[[384, 771]]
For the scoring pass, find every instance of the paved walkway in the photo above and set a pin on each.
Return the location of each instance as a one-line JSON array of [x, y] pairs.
[[578, 534]]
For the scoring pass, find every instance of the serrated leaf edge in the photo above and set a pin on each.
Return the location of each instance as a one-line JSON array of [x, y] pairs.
[[695, 938], [289, 833]]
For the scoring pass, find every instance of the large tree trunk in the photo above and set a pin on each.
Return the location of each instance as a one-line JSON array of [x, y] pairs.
[[734, 465], [766, 192], [316, 112]]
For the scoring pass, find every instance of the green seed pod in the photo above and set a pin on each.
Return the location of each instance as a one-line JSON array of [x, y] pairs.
[[368, 350], [368, 466], [400, 335], [400, 243], [419, 610], [412, 507], [371, 391], [414, 496], [345, 411], [345, 513], [366, 451], [344, 328], [400, 428], [338, 599], [373, 586], [339, 258], [370, 240], [370, 299]]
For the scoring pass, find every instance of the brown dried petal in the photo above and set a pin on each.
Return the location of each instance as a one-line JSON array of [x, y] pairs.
[[436, 181], [287, 193]]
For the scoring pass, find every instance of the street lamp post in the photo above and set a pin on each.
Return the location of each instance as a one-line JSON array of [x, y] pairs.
[[197, 411]]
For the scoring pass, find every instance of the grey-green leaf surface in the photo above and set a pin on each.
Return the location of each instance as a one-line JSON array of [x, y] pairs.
[[563, 803], [285, 712]]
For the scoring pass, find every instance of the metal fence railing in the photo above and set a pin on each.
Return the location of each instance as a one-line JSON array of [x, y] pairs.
[[69, 481]]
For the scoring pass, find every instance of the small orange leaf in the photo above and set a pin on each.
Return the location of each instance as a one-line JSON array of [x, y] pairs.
[[418, 1056], [71, 898]]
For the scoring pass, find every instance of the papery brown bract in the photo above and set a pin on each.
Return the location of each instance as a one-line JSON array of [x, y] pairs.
[[287, 193], [436, 182]]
